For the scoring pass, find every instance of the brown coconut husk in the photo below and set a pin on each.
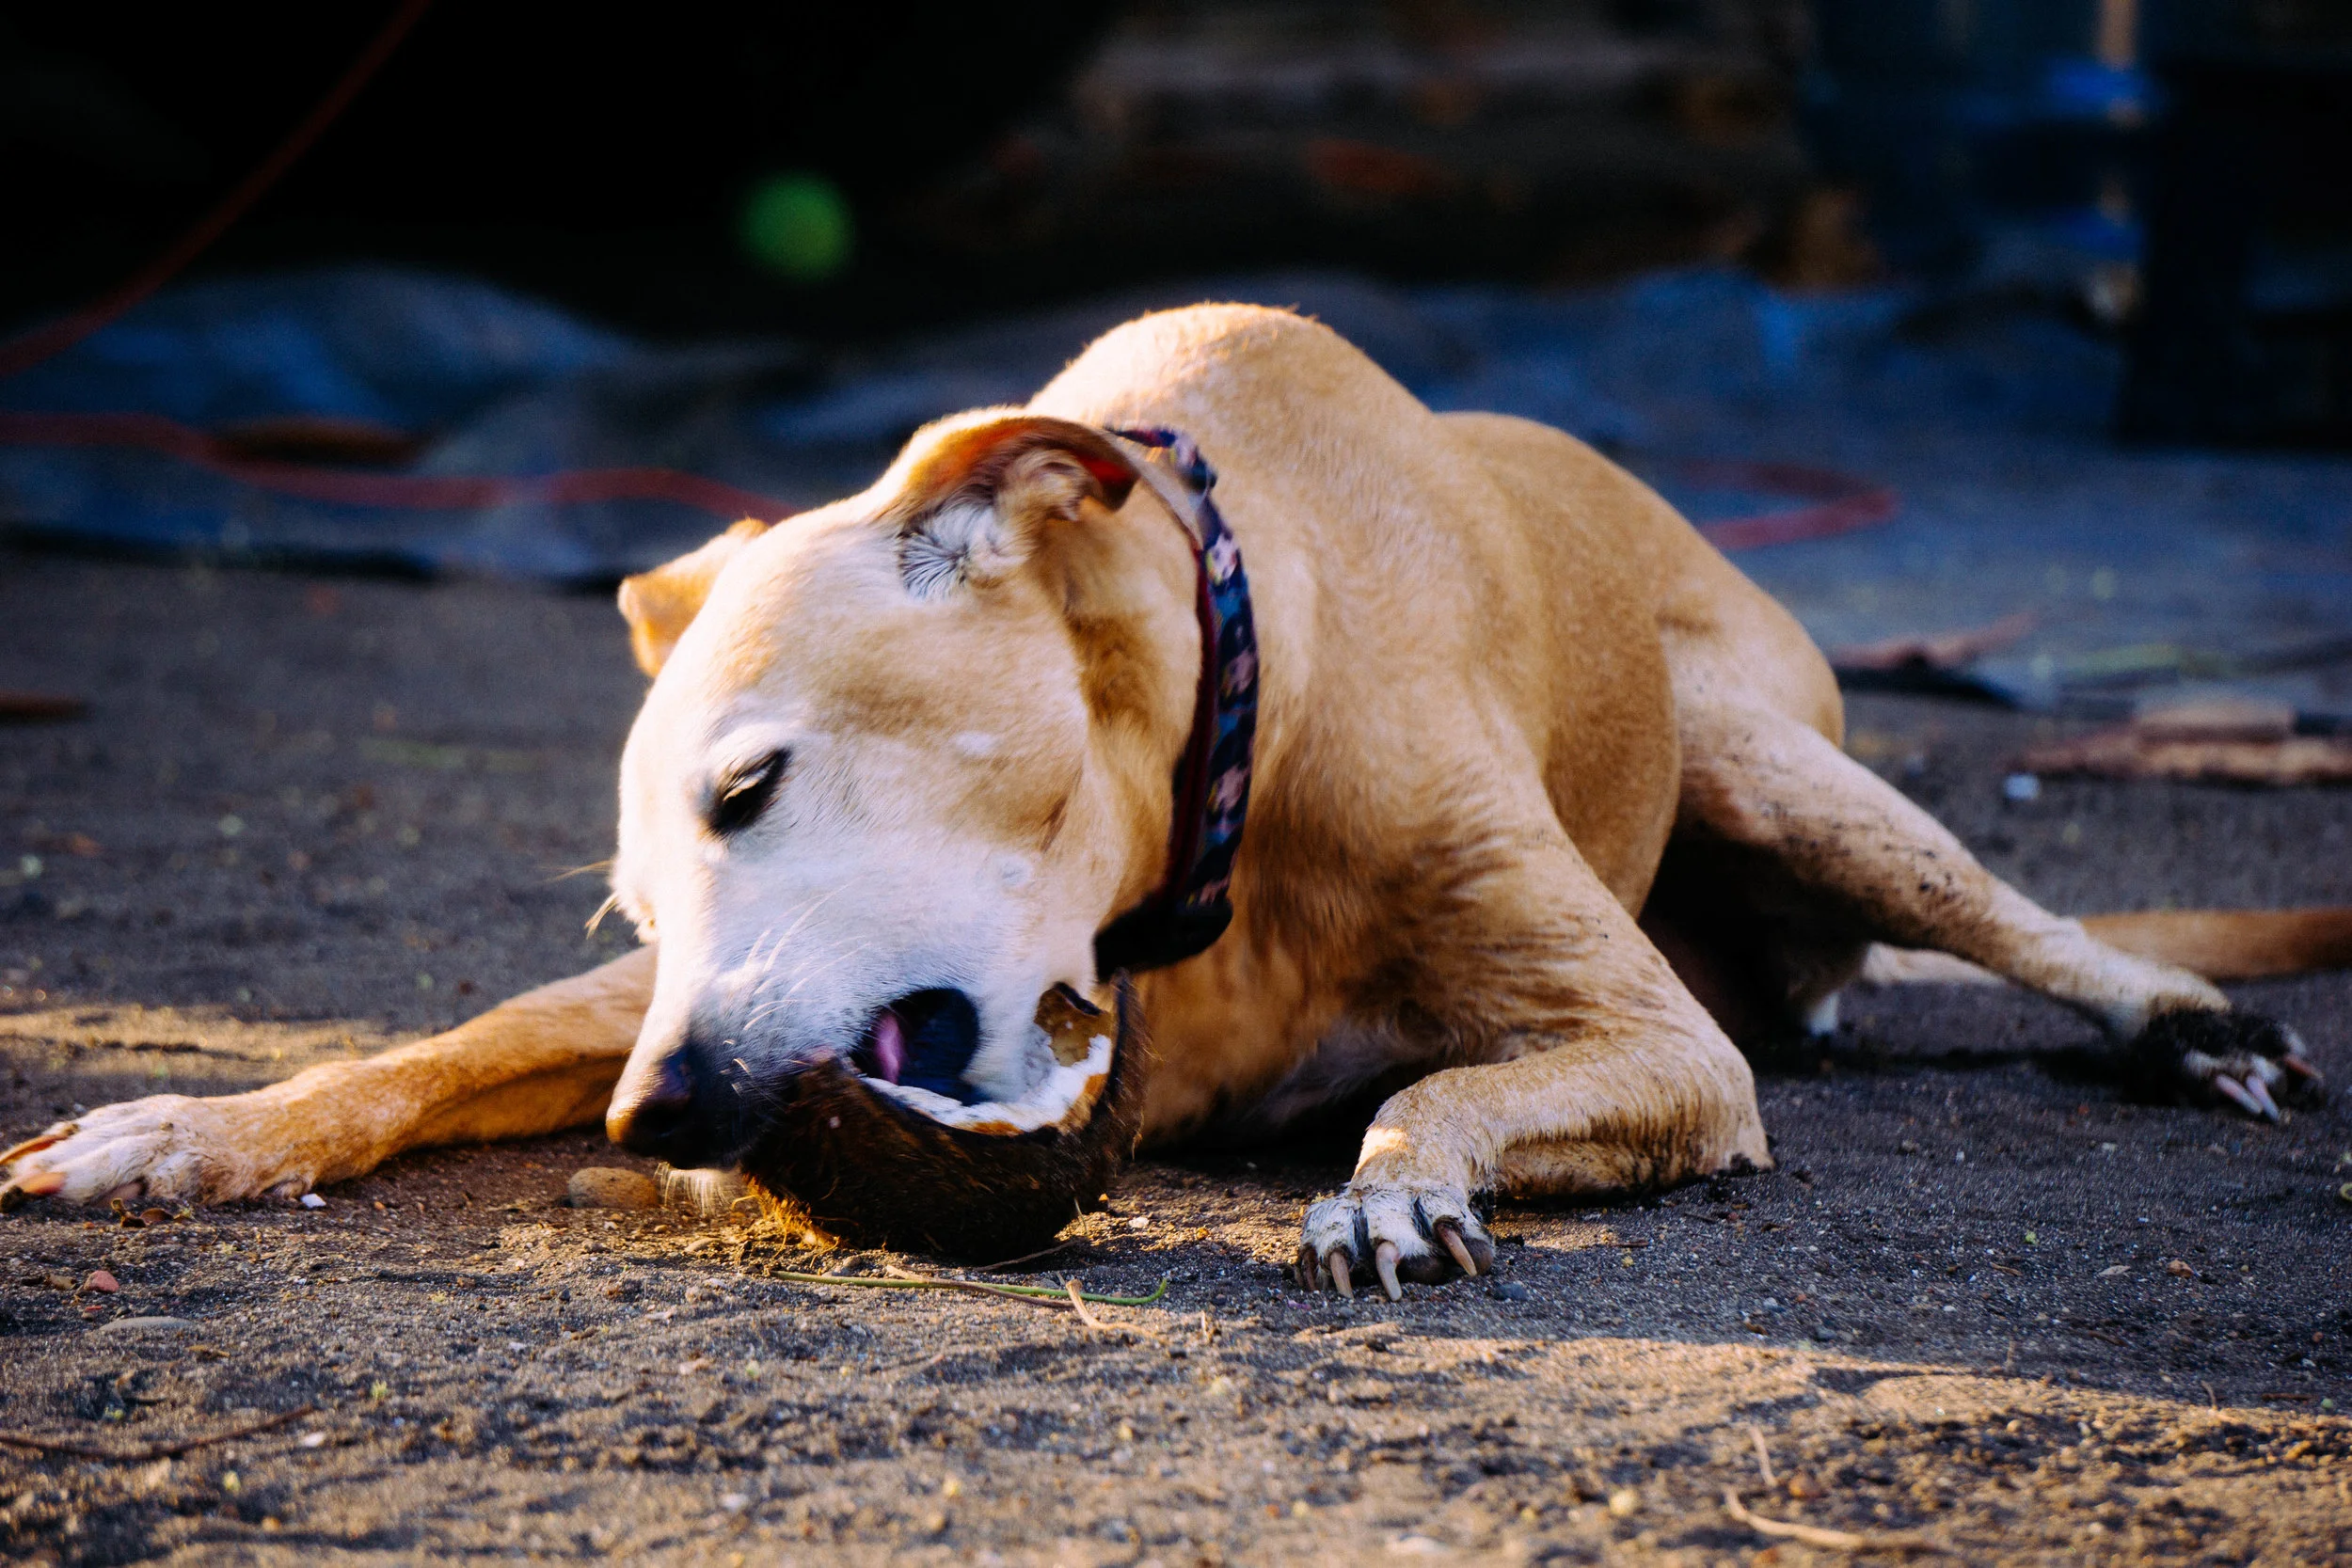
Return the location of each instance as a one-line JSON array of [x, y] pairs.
[[869, 1171]]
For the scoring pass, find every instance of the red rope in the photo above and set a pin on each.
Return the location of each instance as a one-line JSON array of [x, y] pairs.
[[1841, 503], [25, 351], [153, 433]]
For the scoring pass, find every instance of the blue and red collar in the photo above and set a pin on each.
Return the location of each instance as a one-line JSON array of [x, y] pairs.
[[1193, 905]]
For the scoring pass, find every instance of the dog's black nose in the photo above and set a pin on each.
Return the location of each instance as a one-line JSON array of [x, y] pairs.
[[652, 1113]]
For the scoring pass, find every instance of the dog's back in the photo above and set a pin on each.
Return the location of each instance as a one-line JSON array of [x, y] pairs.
[[1419, 572]]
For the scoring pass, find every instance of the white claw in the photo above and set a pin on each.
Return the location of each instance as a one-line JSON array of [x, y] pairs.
[[1384, 1264], [1339, 1264], [1455, 1244], [2261, 1091], [2300, 1068], [2237, 1091]]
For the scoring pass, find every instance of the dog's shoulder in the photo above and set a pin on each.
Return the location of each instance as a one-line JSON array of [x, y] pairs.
[[1224, 329], [1202, 359]]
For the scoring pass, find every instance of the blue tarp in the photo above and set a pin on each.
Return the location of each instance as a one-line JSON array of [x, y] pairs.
[[1988, 418]]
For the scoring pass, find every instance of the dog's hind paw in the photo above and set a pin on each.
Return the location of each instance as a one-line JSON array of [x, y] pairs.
[[2206, 1057], [1379, 1231], [167, 1146]]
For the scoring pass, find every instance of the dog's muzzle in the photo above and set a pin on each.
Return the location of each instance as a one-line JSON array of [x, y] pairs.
[[687, 1110], [887, 1146], [876, 1164]]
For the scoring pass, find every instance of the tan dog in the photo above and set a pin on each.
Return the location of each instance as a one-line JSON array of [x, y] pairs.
[[1546, 795]]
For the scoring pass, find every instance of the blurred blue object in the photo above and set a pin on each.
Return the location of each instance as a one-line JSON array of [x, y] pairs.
[[1960, 120], [395, 347], [1985, 414]]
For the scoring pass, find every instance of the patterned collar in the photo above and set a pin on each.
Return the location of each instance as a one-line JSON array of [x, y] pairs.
[[1193, 904]]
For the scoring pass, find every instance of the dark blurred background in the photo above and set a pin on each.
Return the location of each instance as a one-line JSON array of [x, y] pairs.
[[2174, 167]]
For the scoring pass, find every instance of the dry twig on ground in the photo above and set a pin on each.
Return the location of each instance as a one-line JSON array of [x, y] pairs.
[[1027, 1256], [901, 1279], [146, 1452], [1813, 1535]]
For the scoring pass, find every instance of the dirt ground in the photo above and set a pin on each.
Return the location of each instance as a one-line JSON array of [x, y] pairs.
[[1983, 1299]]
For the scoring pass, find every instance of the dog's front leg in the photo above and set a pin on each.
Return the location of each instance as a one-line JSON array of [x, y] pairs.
[[544, 1061], [1596, 1069]]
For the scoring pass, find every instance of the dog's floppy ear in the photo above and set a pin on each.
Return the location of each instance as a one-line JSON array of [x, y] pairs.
[[977, 498], [659, 605]]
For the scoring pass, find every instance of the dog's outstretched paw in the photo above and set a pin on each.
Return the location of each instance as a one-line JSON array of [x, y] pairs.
[[167, 1146], [1391, 1233], [2249, 1061]]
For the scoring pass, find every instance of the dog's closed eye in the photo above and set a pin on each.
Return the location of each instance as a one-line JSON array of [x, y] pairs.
[[744, 793]]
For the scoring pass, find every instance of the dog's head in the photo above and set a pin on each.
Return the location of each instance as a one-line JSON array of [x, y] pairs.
[[903, 756]]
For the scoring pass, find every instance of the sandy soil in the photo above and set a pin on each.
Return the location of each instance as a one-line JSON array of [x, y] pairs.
[[1982, 1300]]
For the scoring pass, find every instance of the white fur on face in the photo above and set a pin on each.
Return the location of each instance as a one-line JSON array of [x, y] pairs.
[[789, 937], [868, 876]]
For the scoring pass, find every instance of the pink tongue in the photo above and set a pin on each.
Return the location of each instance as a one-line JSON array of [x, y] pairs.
[[890, 1045]]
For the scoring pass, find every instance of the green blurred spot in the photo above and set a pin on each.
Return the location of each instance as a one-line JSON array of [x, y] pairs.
[[798, 226]]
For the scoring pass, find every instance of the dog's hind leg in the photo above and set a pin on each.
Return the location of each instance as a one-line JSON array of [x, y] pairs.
[[1595, 1070], [1757, 782], [544, 1061]]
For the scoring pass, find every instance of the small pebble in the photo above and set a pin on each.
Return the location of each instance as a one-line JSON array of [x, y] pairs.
[[136, 1326], [2020, 786], [610, 1187], [312, 1200], [1625, 1501], [1511, 1289], [102, 1281]]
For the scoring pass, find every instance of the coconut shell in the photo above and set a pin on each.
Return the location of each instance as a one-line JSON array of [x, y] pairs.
[[870, 1171]]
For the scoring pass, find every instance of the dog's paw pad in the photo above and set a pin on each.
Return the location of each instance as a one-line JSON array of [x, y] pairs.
[[167, 1146], [1391, 1233], [2244, 1059]]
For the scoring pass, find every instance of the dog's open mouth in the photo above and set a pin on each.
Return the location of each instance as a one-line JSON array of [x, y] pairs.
[[894, 1145], [919, 1051]]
